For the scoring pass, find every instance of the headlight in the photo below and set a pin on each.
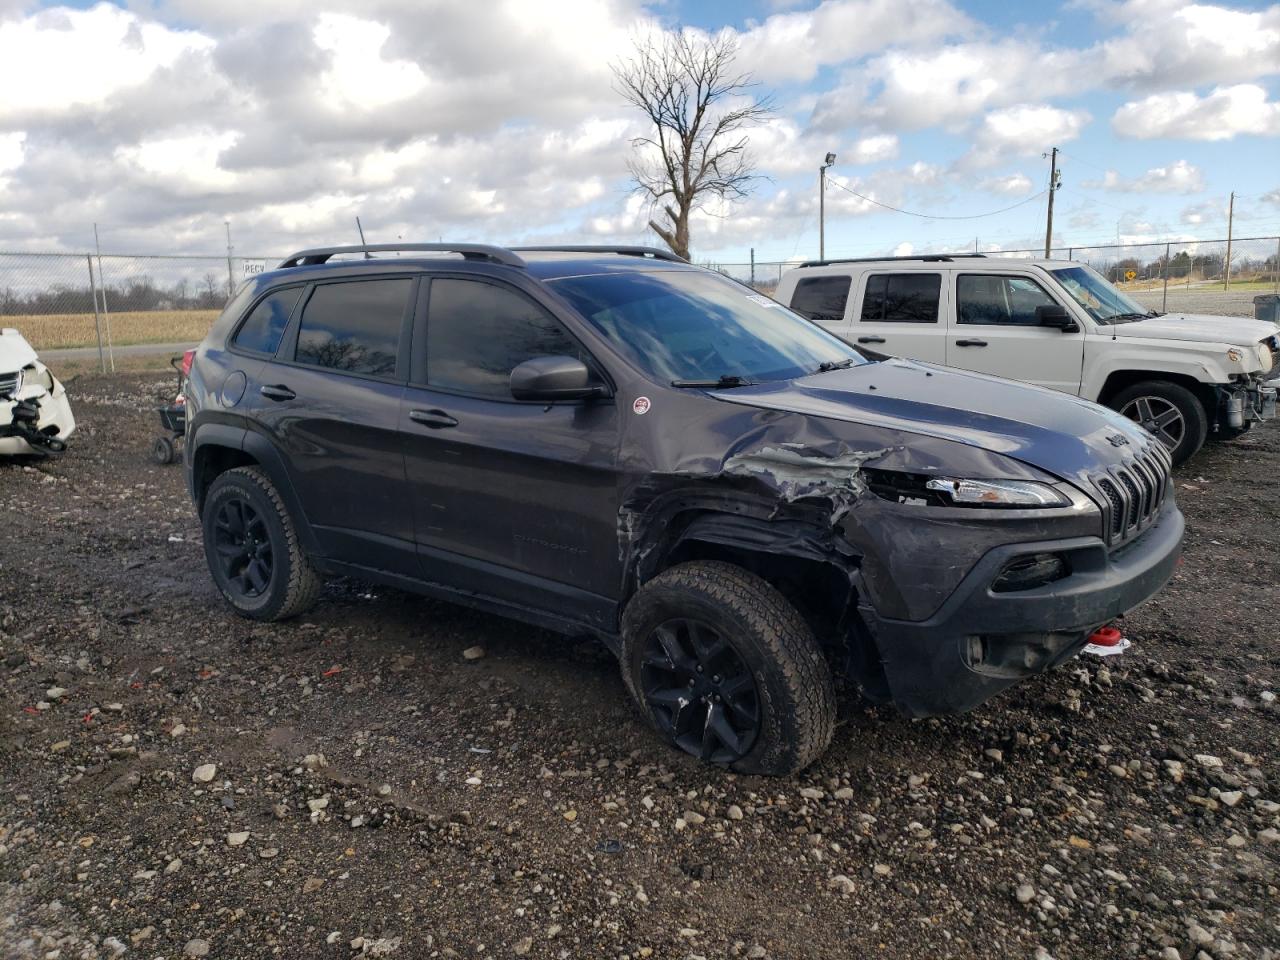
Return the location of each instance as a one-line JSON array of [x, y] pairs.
[[1264, 357], [998, 493], [923, 490]]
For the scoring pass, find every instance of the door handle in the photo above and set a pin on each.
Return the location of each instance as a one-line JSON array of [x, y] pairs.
[[276, 392], [871, 339], [971, 343], [433, 419]]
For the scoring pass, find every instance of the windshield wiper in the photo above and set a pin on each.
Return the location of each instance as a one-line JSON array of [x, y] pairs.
[[720, 383], [828, 365], [1123, 317]]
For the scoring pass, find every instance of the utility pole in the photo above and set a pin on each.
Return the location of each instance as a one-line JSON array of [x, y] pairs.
[[1053, 188], [1226, 267], [822, 205], [231, 278]]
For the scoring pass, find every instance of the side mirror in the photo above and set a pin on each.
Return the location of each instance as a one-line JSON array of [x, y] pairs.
[[553, 378], [1056, 316]]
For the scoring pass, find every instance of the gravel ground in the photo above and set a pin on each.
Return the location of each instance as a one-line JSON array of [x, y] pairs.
[[1202, 300], [175, 781]]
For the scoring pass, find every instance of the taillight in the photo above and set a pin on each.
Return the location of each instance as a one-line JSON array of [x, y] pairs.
[[187, 359]]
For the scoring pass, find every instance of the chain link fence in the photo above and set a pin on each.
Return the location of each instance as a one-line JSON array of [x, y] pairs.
[[85, 300], [1186, 277]]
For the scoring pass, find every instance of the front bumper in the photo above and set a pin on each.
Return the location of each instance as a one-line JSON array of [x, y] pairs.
[[54, 419], [981, 641], [1247, 401]]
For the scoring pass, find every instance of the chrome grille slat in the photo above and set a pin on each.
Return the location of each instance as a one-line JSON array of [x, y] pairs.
[[1133, 493], [9, 382]]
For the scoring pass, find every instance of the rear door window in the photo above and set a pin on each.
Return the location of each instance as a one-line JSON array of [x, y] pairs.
[[821, 299], [902, 298], [999, 301], [263, 328], [354, 326]]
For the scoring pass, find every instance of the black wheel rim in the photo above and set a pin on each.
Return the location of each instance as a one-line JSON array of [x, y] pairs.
[[1158, 416], [700, 692], [243, 547]]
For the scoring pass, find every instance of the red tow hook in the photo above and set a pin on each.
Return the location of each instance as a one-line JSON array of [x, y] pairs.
[[1106, 642]]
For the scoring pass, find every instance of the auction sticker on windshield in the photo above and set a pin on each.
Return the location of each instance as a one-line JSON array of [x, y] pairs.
[[762, 301]]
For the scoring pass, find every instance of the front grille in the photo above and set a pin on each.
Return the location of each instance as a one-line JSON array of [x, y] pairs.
[[10, 382], [1133, 492]]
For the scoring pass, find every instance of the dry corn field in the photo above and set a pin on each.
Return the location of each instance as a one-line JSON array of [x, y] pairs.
[[48, 332]]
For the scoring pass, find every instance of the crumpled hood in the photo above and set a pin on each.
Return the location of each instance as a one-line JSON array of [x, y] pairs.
[[1200, 328], [1060, 434], [15, 352]]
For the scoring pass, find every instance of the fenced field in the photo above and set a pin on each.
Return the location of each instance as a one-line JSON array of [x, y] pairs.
[[56, 330]]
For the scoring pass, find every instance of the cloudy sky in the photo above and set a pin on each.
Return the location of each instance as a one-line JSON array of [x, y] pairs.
[[496, 121]]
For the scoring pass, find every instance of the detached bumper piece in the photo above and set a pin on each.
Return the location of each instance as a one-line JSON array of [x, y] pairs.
[[25, 426], [997, 629]]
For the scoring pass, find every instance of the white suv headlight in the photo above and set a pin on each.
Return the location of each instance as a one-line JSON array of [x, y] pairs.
[[1264, 356]]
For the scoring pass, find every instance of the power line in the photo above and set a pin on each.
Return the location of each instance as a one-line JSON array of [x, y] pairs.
[[931, 216]]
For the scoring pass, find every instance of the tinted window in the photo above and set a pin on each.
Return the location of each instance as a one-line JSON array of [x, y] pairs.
[[477, 333], [821, 298], [695, 325], [999, 300], [262, 329], [354, 326], [902, 298]]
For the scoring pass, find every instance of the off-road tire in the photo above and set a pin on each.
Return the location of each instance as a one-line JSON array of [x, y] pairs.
[[1187, 403], [793, 680], [294, 585]]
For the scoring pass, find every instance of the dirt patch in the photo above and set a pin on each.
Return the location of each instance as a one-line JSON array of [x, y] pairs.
[[375, 793]]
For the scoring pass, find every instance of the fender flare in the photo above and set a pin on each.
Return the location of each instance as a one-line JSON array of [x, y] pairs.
[[261, 451]]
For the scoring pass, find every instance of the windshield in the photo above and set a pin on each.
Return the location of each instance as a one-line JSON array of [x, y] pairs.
[[1104, 302], [682, 325]]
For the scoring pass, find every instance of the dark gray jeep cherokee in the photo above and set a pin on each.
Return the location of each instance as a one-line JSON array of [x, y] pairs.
[[613, 442]]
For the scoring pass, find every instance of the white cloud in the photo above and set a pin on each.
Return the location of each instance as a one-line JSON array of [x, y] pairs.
[[62, 57], [358, 75], [1014, 184], [1191, 44], [1224, 113], [1021, 131], [1179, 177], [872, 149], [793, 46]]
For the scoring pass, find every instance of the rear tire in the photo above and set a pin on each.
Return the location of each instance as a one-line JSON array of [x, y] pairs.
[[1169, 411], [252, 548], [725, 669]]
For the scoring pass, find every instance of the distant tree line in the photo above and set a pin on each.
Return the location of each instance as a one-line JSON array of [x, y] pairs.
[[135, 294]]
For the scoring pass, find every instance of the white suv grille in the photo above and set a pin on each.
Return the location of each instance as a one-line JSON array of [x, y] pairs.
[[10, 383]]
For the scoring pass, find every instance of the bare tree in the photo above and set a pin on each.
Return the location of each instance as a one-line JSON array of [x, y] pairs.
[[698, 106]]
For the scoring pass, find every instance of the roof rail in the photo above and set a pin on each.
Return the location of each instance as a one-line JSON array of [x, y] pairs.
[[471, 251], [925, 257], [632, 251]]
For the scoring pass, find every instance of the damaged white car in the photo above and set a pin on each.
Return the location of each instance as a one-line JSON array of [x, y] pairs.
[[35, 416]]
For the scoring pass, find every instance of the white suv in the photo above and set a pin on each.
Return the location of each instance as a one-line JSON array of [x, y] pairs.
[[1055, 323]]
